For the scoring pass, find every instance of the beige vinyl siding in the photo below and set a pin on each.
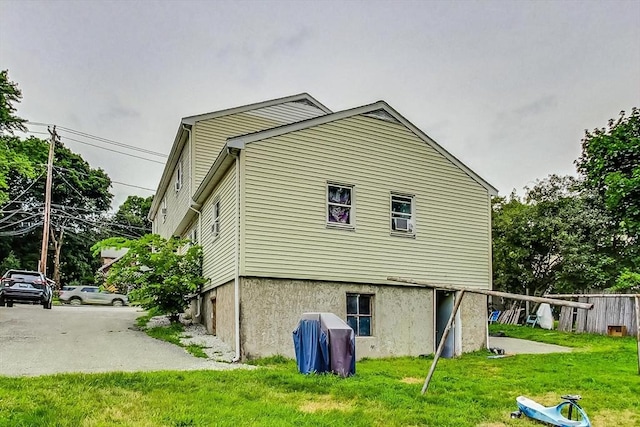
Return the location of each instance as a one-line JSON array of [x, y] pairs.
[[288, 112], [284, 208], [177, 201], [218, 252], [211, 135]]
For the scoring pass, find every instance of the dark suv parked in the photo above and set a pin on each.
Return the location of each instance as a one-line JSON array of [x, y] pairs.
[[25, 287]]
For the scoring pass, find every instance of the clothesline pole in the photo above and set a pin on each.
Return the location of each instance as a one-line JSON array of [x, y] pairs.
[[443, 340]]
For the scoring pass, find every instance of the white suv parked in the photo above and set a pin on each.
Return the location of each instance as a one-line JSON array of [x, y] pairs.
[[76, 295]]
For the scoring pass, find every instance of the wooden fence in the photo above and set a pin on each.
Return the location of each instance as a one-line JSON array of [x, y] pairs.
[[609, 313]]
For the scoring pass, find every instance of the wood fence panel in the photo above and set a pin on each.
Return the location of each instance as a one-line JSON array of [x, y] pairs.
[[566, 319], [581, 317]]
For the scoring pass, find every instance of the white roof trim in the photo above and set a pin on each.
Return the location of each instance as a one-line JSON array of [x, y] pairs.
[[241, 141], [190, 120]]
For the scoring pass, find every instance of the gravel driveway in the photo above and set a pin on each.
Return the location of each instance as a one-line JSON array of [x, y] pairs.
[[34, 341]]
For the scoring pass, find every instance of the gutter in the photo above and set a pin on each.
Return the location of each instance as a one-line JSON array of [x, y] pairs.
[[193, 208]]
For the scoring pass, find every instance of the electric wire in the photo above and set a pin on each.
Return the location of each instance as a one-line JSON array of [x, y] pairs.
[[21, 232], [2, 227], [112, 150], [101, 139], [102, 178], [27, 189]]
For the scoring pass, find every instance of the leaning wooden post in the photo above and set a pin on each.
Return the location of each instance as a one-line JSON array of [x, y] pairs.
[[445, 334], [638, 329]]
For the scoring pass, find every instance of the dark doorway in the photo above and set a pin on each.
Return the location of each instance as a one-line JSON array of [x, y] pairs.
[[213, 316], [443, 308]]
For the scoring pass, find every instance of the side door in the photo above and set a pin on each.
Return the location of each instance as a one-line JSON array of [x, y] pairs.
[[104, 297], [89, 295]]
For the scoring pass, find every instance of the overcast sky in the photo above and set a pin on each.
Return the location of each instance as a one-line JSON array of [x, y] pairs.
[[508, 87]]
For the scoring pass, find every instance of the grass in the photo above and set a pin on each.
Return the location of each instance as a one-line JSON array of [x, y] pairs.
[[171, 333], [469, 391]]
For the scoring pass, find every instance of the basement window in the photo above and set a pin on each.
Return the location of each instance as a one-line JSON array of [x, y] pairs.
[[360, 313]]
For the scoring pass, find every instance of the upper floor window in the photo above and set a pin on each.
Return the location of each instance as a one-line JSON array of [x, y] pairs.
[[360, 313], [215, 217], [178, 184], [163, 209], [340, 210], [402, 214]]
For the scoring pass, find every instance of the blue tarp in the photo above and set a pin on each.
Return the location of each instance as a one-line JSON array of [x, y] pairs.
[[324, 343], [311, 347]]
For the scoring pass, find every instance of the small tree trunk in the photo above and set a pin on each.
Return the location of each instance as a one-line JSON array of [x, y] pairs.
[[57, 245]]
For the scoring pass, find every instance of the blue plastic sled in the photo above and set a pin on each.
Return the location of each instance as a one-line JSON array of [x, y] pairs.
[[553, 414]]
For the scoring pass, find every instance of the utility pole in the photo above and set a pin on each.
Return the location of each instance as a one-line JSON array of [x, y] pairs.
[[47, 204]]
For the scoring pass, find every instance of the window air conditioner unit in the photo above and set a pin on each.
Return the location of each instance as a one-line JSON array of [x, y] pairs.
[[401, 224], [177, 185], [163, 211]]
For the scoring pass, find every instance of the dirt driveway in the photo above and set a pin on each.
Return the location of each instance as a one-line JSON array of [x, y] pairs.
[[34, 341]]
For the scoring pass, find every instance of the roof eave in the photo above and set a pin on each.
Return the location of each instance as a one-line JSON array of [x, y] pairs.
[[178, 143], [241, 141], [235, 110]]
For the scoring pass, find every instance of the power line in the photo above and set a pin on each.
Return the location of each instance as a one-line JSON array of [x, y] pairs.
[[22, 231], [113, 151], [105, 140], [27, 189], [99, 177], [69, 185], [20, 221]]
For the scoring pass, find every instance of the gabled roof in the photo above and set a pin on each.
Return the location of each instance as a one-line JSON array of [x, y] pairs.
[[301, 97], [187, 122], [380, 110]]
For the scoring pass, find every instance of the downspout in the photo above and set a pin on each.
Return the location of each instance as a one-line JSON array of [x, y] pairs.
[[191, 206], [236, 254], [199, 237]]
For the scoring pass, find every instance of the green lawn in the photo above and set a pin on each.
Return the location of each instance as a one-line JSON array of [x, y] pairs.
[[469, 391]]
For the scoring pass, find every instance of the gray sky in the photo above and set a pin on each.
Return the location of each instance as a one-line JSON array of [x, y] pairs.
[[508, 87]]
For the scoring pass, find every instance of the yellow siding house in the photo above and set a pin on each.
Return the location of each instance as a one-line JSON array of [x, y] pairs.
[[300, 209]]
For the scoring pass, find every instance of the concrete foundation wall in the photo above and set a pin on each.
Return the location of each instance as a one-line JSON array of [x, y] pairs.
[[473, 319], [223, 296], [271, 309]]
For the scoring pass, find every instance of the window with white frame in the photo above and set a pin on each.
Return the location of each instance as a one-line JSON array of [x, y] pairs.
[[340, 209], [360, 314], [402, 214], [215, 217], [163, 209], [193, 236], [178, 184]]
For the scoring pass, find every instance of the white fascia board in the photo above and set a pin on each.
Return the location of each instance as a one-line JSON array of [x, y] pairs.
[[299, 97], [242, 140]]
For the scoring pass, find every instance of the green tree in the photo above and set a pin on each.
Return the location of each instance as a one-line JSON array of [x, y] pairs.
[[9, 95], [159, 273], [610, 163], [11, 162], [556, 239], [131, 218], [80, 199], [10, 262]]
